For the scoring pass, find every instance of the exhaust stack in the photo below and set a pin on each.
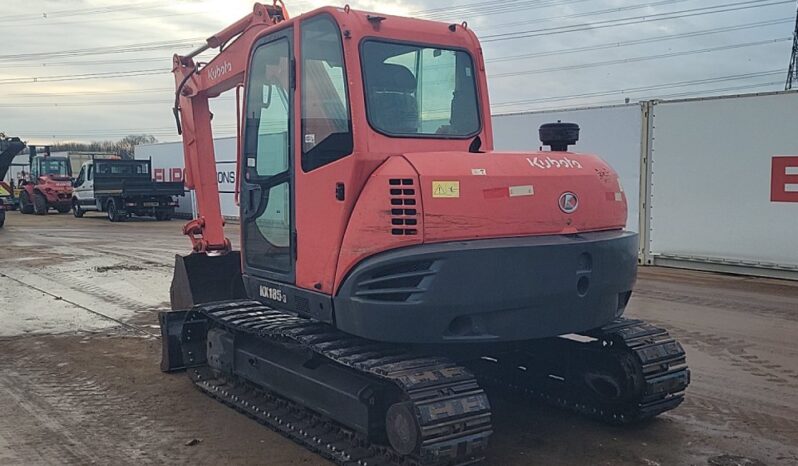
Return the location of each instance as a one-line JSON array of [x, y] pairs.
[[559, 135]]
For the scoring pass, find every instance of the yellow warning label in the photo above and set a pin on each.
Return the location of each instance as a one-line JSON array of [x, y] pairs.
[[3, 192], [445, 189]]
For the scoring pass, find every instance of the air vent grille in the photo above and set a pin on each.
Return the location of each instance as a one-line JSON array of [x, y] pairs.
[[404, 213], [396, 282]]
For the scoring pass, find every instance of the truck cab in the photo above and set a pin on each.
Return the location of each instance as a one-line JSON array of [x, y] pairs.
[[122, 188]]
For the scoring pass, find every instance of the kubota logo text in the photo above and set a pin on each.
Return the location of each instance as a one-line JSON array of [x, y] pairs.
[[549, 162], [217, 71]]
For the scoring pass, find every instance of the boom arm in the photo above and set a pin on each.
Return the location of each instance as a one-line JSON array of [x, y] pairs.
[[195, 84]]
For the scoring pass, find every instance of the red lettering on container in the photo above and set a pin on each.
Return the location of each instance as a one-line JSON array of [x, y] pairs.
[[784, 179]]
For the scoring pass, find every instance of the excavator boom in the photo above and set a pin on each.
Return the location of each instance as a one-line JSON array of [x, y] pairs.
[[195, 84]]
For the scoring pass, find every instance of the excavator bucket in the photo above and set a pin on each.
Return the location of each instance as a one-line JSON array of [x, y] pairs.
[[198, 279]]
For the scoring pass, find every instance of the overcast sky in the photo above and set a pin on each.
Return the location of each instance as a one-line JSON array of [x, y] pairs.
[[540, 54]]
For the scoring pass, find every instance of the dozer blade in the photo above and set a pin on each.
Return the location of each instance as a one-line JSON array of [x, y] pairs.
[[198, 279]]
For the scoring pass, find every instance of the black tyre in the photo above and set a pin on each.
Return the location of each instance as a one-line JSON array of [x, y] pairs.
[[39, 204], [2, 218], [25, 205], [163, 216], [114, 214], [76, 210]]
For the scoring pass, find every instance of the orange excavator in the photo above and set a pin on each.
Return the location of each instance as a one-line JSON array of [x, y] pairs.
[[393, 267]]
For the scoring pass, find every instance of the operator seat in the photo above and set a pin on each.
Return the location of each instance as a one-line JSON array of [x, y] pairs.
[[391, 99]]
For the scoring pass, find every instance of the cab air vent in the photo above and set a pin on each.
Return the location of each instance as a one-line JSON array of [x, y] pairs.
[[404, 213]]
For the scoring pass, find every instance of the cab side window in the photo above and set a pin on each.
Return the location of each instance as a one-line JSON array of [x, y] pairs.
[[326, 122], [81, 176]]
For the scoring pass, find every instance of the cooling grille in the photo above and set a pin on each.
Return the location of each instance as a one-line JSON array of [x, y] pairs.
[[404, 212]]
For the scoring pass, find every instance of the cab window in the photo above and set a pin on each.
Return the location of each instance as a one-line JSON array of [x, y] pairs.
[[419, 90], [81, 176], [326, 123]]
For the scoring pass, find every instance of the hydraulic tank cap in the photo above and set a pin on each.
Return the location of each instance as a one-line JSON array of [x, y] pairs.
[[559, 135]]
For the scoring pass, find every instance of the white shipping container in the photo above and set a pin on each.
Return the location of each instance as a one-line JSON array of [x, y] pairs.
[[711, 182], [614, 133], [168, 165]]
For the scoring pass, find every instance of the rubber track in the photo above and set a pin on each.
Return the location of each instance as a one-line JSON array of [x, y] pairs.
[[660, 373], [452, 411]]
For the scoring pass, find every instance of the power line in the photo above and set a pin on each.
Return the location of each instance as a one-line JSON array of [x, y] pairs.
[[163, 58], [122, 74], [581, 66], [647, 40], [628, 90], [83, 11], [97, 103], [80, 77], [585, 13], [698, 93], [486, 9], [49, 95], [491, 60], [138, 47], [633, 20]]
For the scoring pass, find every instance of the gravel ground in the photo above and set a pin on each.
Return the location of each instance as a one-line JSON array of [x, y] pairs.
[[79, 379]]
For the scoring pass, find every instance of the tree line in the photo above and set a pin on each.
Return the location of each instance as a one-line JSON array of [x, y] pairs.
[[123, 147]]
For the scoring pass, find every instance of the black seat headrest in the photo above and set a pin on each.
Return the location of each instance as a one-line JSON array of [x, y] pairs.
[[392, 77]]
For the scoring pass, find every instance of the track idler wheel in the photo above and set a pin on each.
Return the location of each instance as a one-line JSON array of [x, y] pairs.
[[402, 428]]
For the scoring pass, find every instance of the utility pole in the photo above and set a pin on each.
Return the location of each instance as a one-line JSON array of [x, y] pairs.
[[792, 71]]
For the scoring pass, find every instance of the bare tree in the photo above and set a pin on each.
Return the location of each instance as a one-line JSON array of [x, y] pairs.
[[124, 147]]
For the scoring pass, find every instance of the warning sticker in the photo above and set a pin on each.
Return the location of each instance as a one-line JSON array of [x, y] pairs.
[[526, 190], [445, 189]]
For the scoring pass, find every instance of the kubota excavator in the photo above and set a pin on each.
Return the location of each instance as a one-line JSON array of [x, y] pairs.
[[392, 264]]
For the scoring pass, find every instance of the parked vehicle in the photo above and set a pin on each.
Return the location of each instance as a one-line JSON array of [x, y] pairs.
[[122, 188], [9, 194], [49, 185]]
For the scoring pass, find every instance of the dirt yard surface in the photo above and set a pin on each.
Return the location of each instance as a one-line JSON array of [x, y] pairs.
[[79, 378]]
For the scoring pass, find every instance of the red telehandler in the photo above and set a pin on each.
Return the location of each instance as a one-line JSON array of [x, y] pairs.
[[49, 185], [393, 264]]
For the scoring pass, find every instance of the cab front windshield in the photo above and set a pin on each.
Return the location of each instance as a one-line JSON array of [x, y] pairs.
[[420, 90], [53, 167]]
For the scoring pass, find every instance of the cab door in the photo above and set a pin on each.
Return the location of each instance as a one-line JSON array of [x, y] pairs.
[[84, 187], [267, 184]]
